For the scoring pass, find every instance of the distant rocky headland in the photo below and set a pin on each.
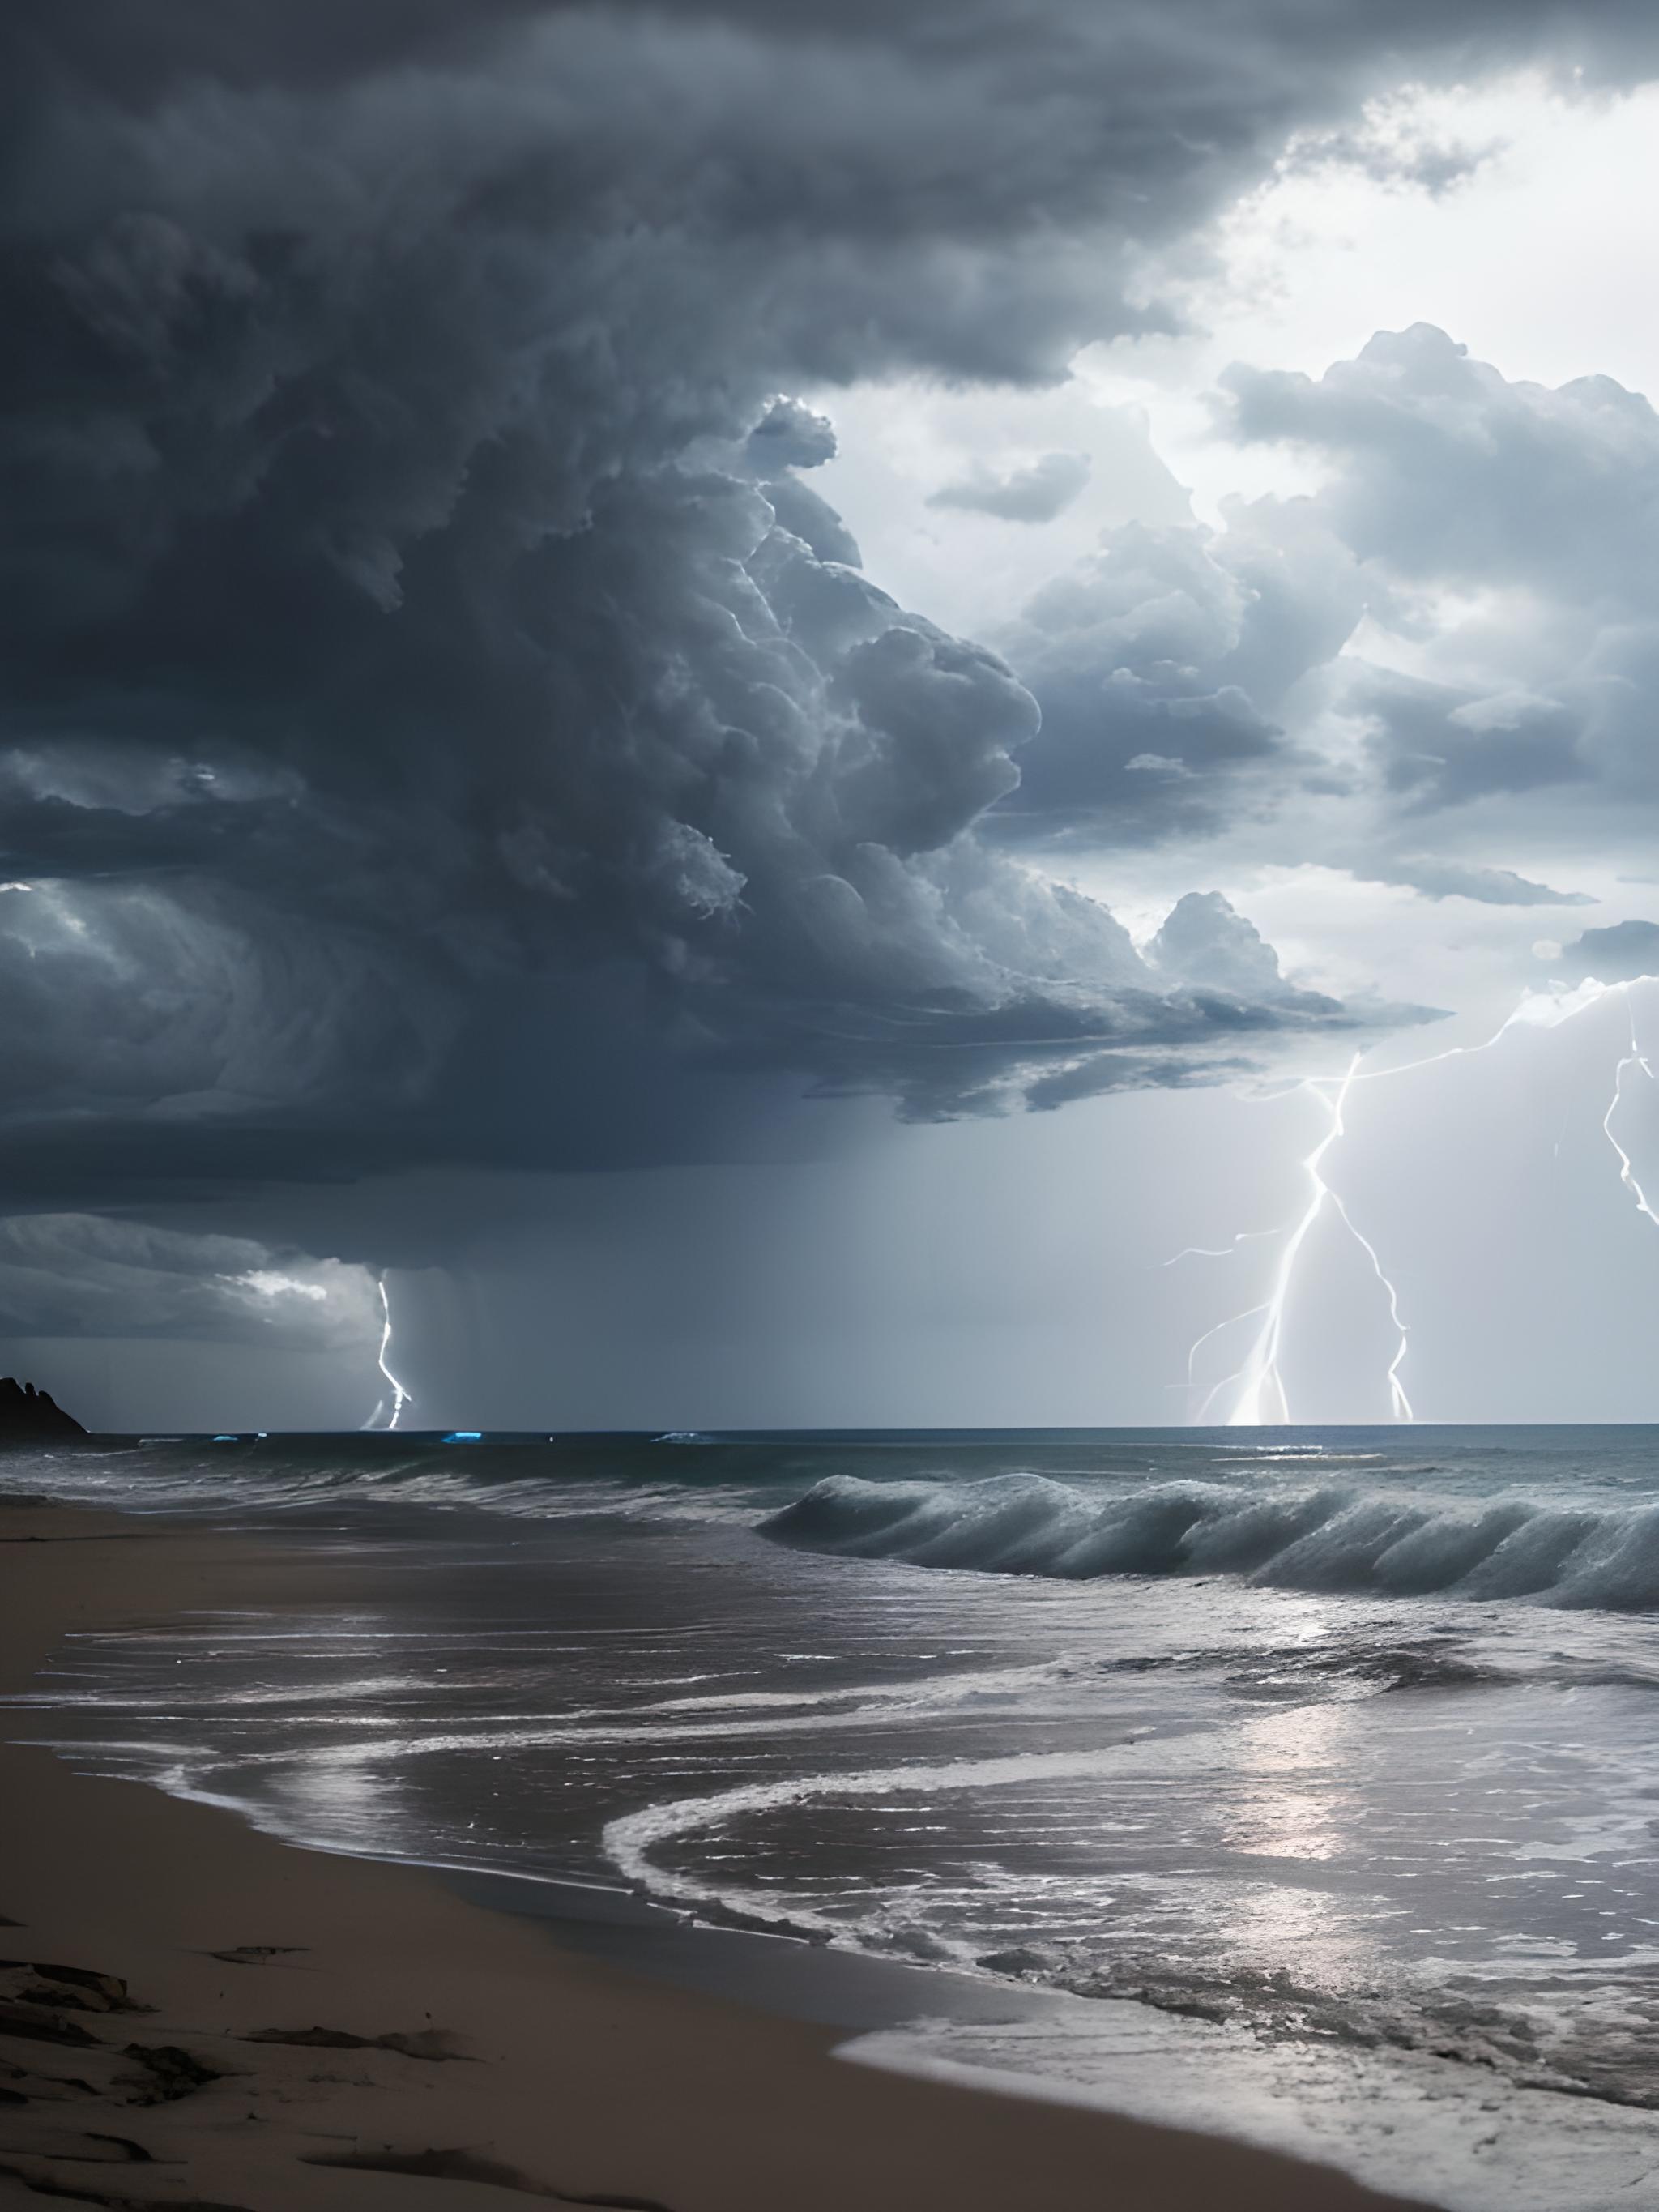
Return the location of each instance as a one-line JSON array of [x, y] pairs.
[[28, 1416]]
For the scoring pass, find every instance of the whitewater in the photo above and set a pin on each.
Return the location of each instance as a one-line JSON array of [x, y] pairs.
[[1304, 1783]]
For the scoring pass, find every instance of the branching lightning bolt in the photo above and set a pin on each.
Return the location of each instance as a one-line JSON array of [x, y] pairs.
[[1260, 1396], [1220, 1251], [400, 1397], [1400, 1405], [1634, 1058]]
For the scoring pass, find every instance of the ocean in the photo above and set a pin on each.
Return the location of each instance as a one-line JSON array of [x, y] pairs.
[[1299, 1782]]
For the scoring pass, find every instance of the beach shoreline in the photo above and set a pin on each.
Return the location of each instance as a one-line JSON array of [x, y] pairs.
[[269, 2027]]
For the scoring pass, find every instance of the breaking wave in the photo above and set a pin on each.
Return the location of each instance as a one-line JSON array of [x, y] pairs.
[[1330, 1539]]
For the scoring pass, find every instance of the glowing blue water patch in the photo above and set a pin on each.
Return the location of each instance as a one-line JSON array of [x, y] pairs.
[[464, 1436], [226, 1440]]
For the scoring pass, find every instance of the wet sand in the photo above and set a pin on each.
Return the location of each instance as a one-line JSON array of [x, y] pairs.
[[195, 2014]]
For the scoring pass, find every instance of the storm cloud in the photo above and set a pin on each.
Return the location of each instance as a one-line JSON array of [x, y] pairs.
[[1444, 658], [1037, 492], [1510, 532], [81, 1276], [1162, 663], [442, 721], [1618, 954], [1444, 879]]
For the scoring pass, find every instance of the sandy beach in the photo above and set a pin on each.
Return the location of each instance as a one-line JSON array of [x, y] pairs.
[[195, 2015]]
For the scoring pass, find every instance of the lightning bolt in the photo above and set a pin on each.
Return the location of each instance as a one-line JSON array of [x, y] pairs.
[[1634, 1058], [1260, 1397], [1399, 1406], [400, 1397]]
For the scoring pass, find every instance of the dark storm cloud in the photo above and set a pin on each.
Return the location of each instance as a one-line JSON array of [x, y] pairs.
[[1162, 663], [1618, 954], [437, 712], [1215, 681], [1035, 493], [1240, 60], [1442, 880], [1438, 746], [76, 1275], [1500, 526], [1432, 162]]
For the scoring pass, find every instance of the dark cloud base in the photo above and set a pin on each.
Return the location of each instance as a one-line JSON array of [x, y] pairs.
[[442, 721]]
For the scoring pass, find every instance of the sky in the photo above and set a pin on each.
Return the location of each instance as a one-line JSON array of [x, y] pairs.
[[755, 701]]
